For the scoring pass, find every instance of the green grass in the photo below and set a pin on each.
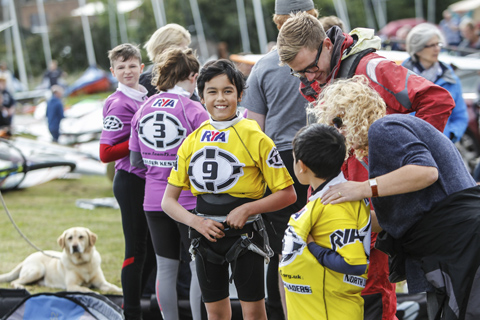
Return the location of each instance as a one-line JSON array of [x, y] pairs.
[[43, 212]]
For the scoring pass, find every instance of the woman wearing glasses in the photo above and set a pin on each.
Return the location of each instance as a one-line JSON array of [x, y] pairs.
[[422, 193], [424, 43]]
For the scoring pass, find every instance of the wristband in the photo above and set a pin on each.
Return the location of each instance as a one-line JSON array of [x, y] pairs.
[[374, 187]]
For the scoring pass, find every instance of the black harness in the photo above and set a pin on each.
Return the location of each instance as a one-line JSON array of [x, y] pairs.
[[251, 237]]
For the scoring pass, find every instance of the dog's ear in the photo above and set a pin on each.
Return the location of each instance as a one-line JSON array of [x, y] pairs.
[[92, 237], [61, 240]]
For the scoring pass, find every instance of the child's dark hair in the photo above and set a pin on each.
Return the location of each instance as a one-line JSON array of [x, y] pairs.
[[321, 148], [215, 68], [124, 51], [174, 65]]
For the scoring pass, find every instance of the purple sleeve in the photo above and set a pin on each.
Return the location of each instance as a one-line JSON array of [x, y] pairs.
[[118, 113], [334, 261], [133, 144], [198, 115]]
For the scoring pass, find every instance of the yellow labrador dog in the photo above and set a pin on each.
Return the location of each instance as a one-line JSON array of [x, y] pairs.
[[76, 268]]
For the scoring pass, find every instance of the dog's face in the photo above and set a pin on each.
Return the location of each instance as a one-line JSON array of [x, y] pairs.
[[77, 240]]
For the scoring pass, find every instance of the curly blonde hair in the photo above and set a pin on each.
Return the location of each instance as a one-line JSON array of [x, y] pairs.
[[357, 104]]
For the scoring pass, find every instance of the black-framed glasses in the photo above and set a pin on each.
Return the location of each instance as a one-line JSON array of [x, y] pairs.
[[311, 68], [337, 122], [438, 44]]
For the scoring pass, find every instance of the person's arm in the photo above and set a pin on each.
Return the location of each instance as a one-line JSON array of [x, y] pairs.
[[432, 103], [13, 103], [255, 100], [116, 131], [260, 118], [110, 153], [238, 217], [11, 111], [136, 160], [458, 121], [210, 229], [405, 92], [375, 225], [60, 109], [406, 179], [333, 260]]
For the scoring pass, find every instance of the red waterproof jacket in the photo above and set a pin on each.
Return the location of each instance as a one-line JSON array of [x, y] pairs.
[[402, 90]]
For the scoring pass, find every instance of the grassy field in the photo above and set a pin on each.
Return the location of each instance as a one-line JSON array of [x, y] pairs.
[[43, 212]]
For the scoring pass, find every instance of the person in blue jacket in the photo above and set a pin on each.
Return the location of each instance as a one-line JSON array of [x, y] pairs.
[[55, 112], [424, 43]]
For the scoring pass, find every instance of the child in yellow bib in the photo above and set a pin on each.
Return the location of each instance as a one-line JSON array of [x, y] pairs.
[[325, 247], [227, 163]]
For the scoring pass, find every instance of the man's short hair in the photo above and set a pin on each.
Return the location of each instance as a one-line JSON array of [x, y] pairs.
[[321, 148], [302, 30], [124, 52]]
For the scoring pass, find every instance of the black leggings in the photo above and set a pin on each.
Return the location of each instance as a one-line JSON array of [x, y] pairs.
[[129, 190], [167, 235]]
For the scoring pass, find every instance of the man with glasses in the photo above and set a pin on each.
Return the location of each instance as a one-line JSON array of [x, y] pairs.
[[311, 68], [320, 57]]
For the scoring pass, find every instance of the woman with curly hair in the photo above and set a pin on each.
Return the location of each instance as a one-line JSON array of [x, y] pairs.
[[424, 198]]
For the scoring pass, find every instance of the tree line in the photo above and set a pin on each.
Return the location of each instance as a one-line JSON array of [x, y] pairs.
[[220, 23]]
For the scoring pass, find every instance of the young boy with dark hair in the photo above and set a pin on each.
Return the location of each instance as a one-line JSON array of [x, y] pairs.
[[228, 163], [324, 282]]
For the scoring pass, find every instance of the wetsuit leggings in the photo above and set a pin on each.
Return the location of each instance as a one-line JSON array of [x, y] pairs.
[[168, 236], [129, 190]]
